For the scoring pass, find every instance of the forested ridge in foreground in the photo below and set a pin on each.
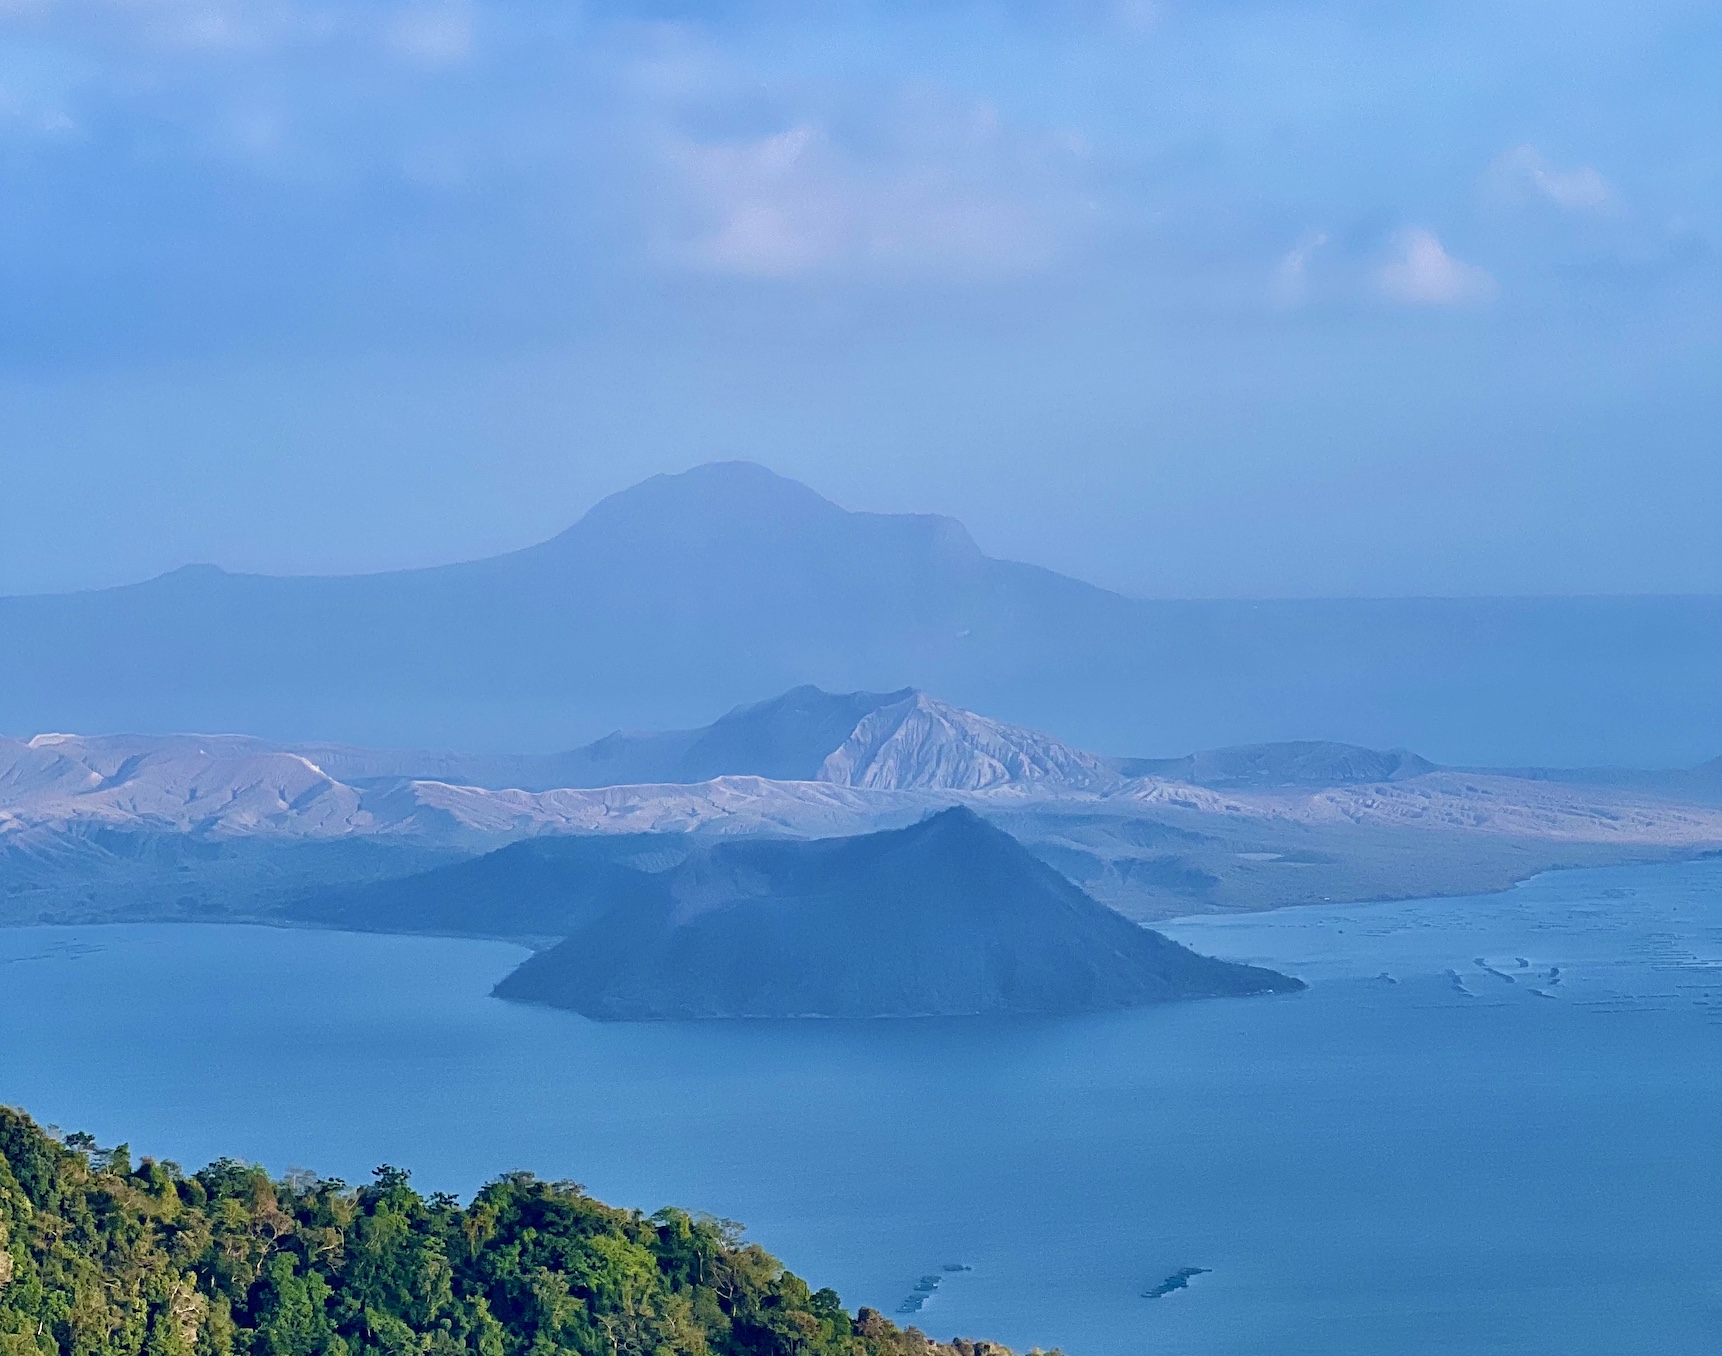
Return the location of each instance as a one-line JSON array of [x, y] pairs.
[[98, 1258]]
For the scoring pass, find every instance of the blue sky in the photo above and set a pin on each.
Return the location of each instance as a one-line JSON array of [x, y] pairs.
[[1186, 298]]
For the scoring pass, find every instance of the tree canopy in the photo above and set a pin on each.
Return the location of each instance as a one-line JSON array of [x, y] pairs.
[[99, 1257]]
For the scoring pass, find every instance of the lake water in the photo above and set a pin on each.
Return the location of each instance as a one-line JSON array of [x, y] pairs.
[[1491, 1125]]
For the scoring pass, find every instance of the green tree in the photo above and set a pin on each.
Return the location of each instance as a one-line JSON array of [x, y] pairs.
[[101, 1258]]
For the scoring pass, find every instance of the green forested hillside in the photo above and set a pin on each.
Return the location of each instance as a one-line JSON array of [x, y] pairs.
[[99, 1256]]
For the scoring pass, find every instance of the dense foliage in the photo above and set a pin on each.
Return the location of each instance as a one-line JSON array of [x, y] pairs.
[[98, 1256]]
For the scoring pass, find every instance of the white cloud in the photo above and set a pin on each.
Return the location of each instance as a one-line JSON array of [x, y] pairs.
[[258, 133], [937, 190], [1524, 172], [1137, 16], [1420, 272], [31, 115], [1291, 276], [214, 25], [144, 29], [431, 35], [767, 212]]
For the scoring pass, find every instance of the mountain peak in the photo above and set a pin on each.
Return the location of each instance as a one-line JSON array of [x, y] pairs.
[[762, 529], [722, 493], [788, 737], [921, 743], [199, 572]]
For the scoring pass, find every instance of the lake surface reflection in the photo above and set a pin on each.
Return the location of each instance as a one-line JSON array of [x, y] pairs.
[[1490, 1124]]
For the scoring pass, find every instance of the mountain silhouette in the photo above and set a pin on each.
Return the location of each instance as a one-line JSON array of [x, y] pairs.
[[689, 594], [949, 917]]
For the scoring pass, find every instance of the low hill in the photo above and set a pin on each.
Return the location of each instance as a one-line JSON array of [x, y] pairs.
[[947, 917]]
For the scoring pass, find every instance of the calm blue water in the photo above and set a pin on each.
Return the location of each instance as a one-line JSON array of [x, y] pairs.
[[1492, 1125]]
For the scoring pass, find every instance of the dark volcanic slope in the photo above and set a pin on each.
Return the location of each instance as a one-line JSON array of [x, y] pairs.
[[705, 589], [541, 887], [948, 917]]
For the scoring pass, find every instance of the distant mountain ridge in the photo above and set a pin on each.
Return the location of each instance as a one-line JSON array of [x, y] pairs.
[[1294, 763], [805, 762], [106, 827], [709, 587], [225, 784]]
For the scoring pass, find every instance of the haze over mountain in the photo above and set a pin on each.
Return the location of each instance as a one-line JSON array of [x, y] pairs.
[[785, 738], [704, 589], [948, 917], [891, 741]]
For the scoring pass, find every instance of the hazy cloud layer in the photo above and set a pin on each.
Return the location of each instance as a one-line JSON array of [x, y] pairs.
[[1172, 261], [944, 192], [1172, 144]]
